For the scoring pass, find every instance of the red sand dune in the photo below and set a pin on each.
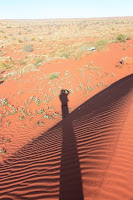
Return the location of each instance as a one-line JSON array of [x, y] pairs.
[[86, 156]]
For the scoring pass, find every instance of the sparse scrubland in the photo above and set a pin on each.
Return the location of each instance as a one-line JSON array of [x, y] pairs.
[[39, 58]]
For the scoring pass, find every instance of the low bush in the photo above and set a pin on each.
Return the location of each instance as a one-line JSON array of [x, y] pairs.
[[22, 62], [65, 55], [38, 61], [121, 38], [28, 48], [54, 75], [4, 65], [20, 41], [101, 45]]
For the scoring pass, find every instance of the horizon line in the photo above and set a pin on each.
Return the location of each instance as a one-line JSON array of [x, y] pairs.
[[65, 18]]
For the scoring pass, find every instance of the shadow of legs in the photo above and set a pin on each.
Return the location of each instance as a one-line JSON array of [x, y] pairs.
[[70, 173]]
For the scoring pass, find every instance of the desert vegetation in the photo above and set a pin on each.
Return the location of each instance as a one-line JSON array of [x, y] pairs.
[[28, 48], [91, 59], [52, 39]]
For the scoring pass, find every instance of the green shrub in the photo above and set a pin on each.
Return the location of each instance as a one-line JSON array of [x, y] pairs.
[[121, 38], [128, 38], [65, 55], [54, 75], [38, 61], [28, 48], [4, 65], [20, 41]]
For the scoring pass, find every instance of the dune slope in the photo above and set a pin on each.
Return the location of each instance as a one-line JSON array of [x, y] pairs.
[[87, 156]]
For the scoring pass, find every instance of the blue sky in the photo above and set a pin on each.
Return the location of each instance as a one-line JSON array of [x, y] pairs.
[[41, 9]]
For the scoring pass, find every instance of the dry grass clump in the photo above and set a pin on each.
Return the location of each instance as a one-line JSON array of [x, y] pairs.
[[101, 45], [4, 66], [6, 63], [28, 48], [28, 68]]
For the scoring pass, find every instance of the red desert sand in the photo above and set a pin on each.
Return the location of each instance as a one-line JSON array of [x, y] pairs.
[[89, 154]]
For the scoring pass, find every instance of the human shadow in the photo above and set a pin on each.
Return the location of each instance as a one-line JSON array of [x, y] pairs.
[[70, 172]]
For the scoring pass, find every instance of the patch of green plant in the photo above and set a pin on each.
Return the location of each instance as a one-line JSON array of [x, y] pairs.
[[20, 92], [2, 78], [22, 110], [21, 118], [121, 38], [12, 62], [65, 55], [128, 38], [4, 65], [39, 123], [67, 73], [4, 102], [2, 151], [71, 91], [20, 41], [54, 75], [119, 66], [57, 114], [38, 61], [14, 110], [89, 88], [52, 107], [8, 123], [3, 140], [81, 86], [41, 111]]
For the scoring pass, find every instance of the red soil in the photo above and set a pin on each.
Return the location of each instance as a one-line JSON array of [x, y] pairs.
[[86, 156]]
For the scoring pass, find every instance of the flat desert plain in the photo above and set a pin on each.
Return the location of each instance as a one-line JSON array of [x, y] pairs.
[[66, 109]]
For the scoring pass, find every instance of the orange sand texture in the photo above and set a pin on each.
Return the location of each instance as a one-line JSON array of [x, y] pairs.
[[89, 154]]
